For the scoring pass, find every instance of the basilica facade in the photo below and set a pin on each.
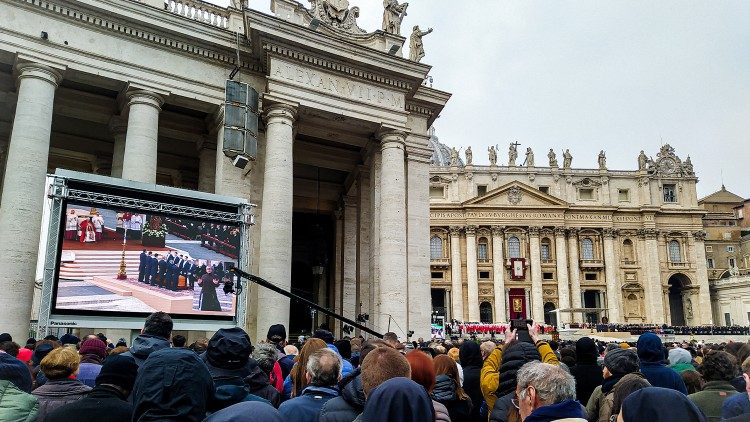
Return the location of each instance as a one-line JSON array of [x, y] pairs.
[[522, 239]]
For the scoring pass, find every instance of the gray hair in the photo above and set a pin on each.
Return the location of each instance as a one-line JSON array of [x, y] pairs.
[[324, 367], [265, 354], [552, 383]]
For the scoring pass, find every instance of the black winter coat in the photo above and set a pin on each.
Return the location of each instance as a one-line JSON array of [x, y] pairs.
[[588, 376], [347, 406], [445, 393], [102, 404], [473, 389], [257, 383]]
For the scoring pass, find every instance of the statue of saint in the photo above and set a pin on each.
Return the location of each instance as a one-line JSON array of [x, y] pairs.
[[393, 15], [493, 155], [454, 156], [529, 157], [688, 166], [512, 155], [552, 158], [416, 47], [469, 156], [642, 161], [602, 160], [567, 159]]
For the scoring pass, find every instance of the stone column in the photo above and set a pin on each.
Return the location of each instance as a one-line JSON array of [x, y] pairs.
[[457, 293], [472, 281], [418, 235], [141, 140], [207, 167], [537, 297], [276, 215], [614, 303], [393, 263], [118, 127], [375, 166], [507, 301], [498, 273], [23, 194], [364, 283], [704, 294], [563, 291], [575, 273], [349, 276], [338, 272], [654, 294]]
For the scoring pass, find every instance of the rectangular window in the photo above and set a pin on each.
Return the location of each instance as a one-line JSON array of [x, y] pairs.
[[544, 189], [437, 274], [623, 195], [484, 275], [482, 251], [586, 194], [545, 251], [437, 192], [481, 190], [730, 249], [710, 263], [590, 276], [727, 319], [732, 263], [548, 276], [709, 248], [670, 193]]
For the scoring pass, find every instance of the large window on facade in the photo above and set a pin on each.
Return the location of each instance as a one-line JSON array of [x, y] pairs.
[[670, 193], [545, 249], [587, 248], [436, 247], [514, 247], [482, 252], [628, 253], [674, 251]]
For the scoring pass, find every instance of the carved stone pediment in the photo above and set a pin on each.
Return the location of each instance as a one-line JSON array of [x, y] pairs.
[[516, 194], [587, 182], [337, 14], [440, 180]]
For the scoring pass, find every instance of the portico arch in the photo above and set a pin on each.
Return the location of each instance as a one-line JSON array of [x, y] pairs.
[[678, 284]]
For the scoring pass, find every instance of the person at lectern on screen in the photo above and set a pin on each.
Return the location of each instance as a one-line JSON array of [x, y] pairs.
[[71, 225], [209, 282], [88, 234]]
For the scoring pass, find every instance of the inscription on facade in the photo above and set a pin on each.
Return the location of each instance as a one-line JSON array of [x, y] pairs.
[[338, 86], [588, 217]]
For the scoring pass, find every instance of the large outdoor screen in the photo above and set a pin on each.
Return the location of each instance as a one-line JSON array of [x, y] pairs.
[[116, 261]]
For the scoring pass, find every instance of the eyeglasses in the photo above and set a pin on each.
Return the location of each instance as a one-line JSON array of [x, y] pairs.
[[514, 401]]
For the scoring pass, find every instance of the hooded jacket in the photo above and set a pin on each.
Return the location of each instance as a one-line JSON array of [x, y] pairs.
[[660, 404], [471, 361], [57, 393], [144, 345], [651, 355], [737, 405], [15, 371], [398, 399], [349, 404], [587, 373], [568, 410], [680, 360], [16, 405], [103, 403], [250, 410], [257, 383], [712, 397], [445, 393]]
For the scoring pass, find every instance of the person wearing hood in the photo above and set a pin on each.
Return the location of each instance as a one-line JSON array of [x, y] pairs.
[[108, 401], [546, 393], [398, 399], [258, 381], [93, 351], [651, 354], [15, 371], [248, 411], [448, 389], [157, 330], [586, 371], [172, 385], [617, 364], [323, 372], [489, 378], [659, 404], [629, 384], [60, 367], [718, 370], [470, 356], [16, 404], [680, 360]]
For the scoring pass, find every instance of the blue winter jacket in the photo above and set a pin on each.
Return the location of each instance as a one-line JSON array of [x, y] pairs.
[[306, 407], [651, 354], [738, 404]]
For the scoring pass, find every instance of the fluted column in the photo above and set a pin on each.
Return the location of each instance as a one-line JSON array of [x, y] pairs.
[[561, 259], [656, 314], [23, 194], [276, 216], [575, 273], [349, 276], [498, 273], [471, 273], [537, 297], [704, 295], [614, 304], [142, 138], [118, 128], [457, 294], [393, 270]]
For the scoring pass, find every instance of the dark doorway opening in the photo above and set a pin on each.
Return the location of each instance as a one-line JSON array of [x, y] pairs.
[[550, 318], [438, 302], [591, 299], [485, 312], [677, 284]]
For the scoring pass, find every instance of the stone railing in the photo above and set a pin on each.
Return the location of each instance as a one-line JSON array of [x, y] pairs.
[[200, 11]]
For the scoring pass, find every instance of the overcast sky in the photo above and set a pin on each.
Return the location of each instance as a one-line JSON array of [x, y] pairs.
[[588, 75]]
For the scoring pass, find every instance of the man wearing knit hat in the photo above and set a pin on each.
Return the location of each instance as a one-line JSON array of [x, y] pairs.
[[652, 356], [277, 336], [108, 400], [92, 351], [617, 364]]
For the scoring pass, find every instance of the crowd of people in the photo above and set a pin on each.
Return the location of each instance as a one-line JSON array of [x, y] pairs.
[[218, 237], [230, 378]]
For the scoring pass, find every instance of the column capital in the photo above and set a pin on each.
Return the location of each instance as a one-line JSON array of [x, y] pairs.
[[572, 232], [280, 113], [39, 71], [455, 230], [534, 230], [388, 137], [651, 234], [609, 232], [559, 231], [497, 231], [471, 230], [141, 96]]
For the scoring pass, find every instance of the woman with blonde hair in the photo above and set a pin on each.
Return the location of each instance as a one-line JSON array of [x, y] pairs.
[[60, 367], [453, 353], [297, 375], [448, 390]]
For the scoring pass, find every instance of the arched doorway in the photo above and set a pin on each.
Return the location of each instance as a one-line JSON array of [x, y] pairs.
[[485, 312], [677, 284], [549, 317]]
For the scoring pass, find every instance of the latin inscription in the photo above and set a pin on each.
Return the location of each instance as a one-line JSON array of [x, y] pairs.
[[336, 85]]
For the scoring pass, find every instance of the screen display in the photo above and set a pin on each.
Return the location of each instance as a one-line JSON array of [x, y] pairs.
[[120, 261]]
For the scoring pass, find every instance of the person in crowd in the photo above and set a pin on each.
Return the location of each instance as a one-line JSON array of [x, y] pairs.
[[680, 360], [178, 340], [546, 392], [10, 347], [172, 385], [69, 340], [209, 282], [154, 336], [718, 370], [147, 264], [16, 404], [617, 364], [249, 411], [629, 384], [486, 348], [108, 401], [651, 354], [323, 372], [199, 346], [92, 351], [15, 371], [448, 389], [398, 399], [41, 350], [453, 354], [423, 373], [277, 336], [470, 356], [297, 381], [587, 373], [741, 351], [659, 404], [291, 351], [739, 405], [261, 366], [568, 356], [693, 381], [60, 367], [327, 336], [381, 364]]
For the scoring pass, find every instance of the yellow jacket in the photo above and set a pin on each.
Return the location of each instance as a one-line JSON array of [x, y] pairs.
[[489, 377]]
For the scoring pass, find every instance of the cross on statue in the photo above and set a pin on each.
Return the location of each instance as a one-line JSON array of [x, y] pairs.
[[516, 144]]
